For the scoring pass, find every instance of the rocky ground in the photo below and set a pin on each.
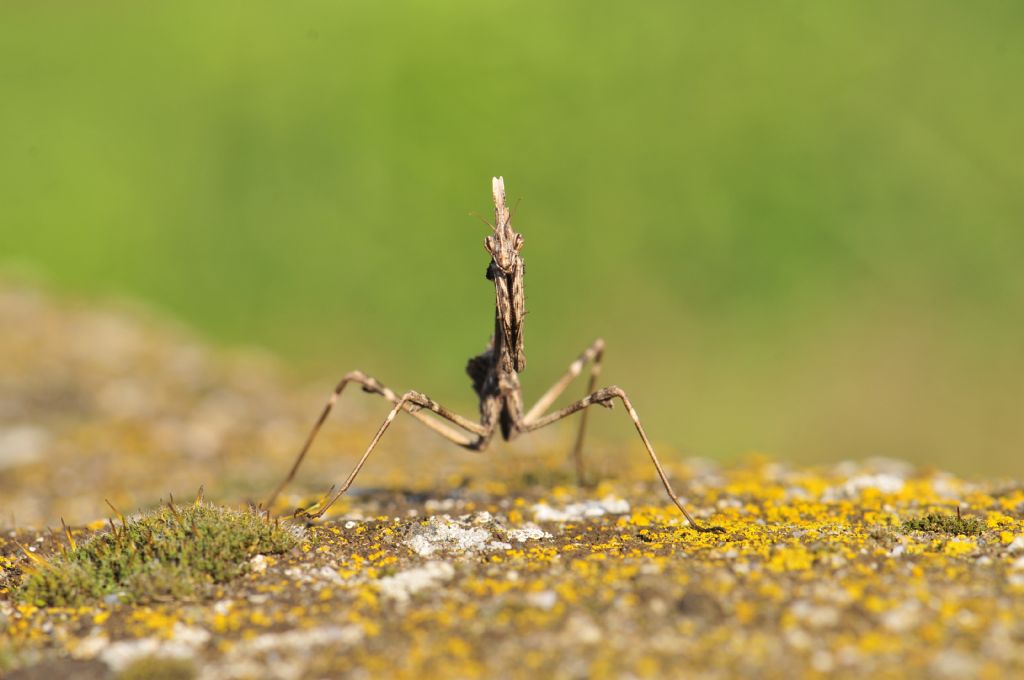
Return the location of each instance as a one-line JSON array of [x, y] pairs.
[[452, 566]]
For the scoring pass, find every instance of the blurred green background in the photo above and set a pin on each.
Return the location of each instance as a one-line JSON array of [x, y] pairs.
[[797, 225]]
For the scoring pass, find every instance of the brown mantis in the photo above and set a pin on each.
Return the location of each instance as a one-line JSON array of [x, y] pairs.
[[495, 376]]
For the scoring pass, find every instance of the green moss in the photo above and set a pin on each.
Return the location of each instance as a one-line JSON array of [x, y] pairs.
[[159, 668], [178, 552], [946, 524]]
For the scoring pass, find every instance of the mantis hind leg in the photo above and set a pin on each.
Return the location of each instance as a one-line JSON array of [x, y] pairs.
[[374, 386], [415, 400], [593, 356], [605, 397]]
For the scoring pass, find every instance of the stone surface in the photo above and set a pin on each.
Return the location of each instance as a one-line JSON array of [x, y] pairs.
[[477, 569]]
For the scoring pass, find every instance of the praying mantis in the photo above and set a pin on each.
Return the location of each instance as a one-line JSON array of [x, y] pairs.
[[495, 377]]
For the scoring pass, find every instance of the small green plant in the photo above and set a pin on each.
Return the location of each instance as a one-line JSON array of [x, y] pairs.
[[176, 552], [946, 524]]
